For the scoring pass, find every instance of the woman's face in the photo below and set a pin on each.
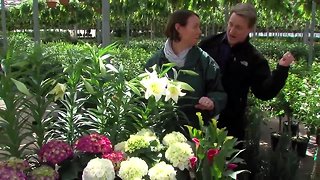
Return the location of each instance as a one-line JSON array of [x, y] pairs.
[[191, 32]]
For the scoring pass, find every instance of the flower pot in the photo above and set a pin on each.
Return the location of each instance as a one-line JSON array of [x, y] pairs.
[[274, 140], [294, 127], [51, 4], [64, 2], [302, 145]]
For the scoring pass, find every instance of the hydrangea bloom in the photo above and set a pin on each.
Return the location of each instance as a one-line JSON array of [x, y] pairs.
[[55, 152], [8, 173], [136, 142], [94, 143], [116, 158], [18, 164], [44, 172], [179, 154], [98, 169], [134, 168], [162, 171], [174, 137]]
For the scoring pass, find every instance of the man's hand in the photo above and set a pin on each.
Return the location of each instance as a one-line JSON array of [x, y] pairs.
[[205, 103], [286, 60]]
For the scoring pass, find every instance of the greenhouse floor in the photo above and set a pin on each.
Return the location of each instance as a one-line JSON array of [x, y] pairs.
[[306, 163]]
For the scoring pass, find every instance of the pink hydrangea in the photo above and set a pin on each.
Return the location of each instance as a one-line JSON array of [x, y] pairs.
[[116, 157], [8, 173], [55, 152], [43, 172], [94, 143]]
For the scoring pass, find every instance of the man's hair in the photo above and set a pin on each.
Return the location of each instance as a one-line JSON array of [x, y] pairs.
[[181, 17], [247, 11]]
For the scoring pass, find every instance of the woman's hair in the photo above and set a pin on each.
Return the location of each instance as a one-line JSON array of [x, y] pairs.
[[247, 11], [181, 17]]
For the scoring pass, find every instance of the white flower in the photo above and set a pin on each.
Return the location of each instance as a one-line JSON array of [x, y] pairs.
[[173, 137], [173, 92], [59, 91], [133, 169], [162, 171], [98, 169], [136, 142], [154, 86], [179, 154]]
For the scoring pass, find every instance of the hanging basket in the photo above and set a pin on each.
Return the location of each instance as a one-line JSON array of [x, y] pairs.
[[64, 2], [51, 4]]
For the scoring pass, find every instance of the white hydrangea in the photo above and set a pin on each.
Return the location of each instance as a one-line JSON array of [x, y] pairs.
[[173, 137], [179, 154], [99, 169], [133, 169], [145, 138], [162, 171]]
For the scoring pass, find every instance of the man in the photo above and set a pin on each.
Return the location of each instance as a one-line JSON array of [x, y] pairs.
[[243, 68]]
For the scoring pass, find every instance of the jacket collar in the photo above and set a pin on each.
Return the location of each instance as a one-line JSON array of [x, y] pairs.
[[237, 46]]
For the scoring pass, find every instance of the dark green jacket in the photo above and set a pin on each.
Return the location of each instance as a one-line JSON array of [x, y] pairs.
[[207, 83]]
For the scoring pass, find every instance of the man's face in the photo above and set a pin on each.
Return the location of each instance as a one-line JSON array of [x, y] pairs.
[[238, 29]]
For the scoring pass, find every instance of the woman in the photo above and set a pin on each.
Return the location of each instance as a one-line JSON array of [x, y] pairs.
[[183, 32]]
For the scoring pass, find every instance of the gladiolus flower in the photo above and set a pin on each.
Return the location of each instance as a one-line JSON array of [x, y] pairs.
[[196, 141], [232, 166], [193, 162], [211, 154]]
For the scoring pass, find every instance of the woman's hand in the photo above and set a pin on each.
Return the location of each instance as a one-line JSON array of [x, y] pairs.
[[205, 103]]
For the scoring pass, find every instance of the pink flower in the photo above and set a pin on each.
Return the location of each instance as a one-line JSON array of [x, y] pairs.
[[211, 154], [116, 158], [232, 166], [55, 151], [94, 143], [193, 162], [196, 141]]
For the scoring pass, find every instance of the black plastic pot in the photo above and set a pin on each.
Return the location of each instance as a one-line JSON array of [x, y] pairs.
[[274, 140], [294, 127], [302, 145]]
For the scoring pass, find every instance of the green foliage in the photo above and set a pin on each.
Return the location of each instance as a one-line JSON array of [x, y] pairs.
[[213, 138]]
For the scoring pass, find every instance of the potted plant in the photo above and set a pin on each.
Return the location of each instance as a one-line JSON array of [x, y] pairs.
[[275, 136], [302, 145], [51, 3], [294, 127]]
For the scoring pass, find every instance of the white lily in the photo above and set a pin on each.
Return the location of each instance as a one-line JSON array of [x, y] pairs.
[[154, 86], [173, 92], [59, 91]]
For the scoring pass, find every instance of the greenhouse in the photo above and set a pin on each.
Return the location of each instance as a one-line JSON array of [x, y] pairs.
[[167, 89]]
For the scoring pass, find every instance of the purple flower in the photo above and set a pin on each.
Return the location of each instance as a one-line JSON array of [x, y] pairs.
[[94, 143], [55, 152], [8, 173]]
